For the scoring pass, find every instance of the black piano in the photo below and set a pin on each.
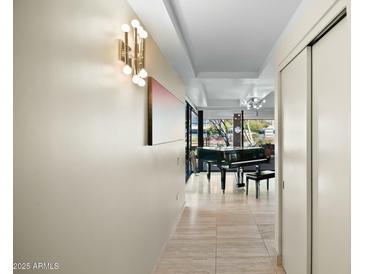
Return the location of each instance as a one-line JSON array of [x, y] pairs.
[[231, 158]]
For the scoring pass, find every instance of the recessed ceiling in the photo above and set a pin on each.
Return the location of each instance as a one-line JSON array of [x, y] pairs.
[[231, 35], [219, 47]]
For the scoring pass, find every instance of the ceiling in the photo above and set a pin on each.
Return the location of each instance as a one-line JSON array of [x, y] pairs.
[[219, 48], [231, 35]]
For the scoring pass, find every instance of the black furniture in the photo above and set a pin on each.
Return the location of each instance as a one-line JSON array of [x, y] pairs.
[[231, 158], [257, 177]]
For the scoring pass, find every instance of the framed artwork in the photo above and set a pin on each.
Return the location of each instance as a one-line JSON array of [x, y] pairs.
[[166, 115]]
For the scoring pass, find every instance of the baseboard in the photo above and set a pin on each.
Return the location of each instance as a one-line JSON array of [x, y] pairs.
[[172, 232], [279, 260]]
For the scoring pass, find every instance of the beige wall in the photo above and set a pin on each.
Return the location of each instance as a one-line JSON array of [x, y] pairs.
[[88, 193]]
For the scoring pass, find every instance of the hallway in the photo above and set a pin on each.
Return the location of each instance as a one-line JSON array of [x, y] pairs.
[[219, 233], [117, 103]]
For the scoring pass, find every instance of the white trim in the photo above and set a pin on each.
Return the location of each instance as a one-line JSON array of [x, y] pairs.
[[172, 14], [278, 166]]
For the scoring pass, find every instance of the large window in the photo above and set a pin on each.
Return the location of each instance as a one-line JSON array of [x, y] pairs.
[[259, 132], [219, 132]]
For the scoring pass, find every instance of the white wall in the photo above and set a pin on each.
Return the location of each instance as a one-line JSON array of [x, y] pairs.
[[88, 193]]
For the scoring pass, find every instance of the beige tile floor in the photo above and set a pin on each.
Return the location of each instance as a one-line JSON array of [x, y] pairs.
[[223, 234]]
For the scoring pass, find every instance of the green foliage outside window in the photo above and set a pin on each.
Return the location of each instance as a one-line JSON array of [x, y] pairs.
[[219, 132]]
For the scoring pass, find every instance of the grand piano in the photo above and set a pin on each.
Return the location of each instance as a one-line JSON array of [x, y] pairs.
[[231, 158]]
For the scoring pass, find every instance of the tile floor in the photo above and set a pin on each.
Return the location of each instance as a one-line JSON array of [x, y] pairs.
[[223, 234]]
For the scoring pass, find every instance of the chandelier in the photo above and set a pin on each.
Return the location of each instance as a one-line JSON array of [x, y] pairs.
[[133, 55], [254, 103]]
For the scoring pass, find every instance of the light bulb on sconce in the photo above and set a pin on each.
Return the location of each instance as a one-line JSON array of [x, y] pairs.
[[140, 29], [125, 28], [127, 70], [144, 34], [135, 23], [135, 79], [141, 82], [142, 73]]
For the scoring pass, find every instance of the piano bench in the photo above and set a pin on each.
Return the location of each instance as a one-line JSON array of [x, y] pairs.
[[257, 177]]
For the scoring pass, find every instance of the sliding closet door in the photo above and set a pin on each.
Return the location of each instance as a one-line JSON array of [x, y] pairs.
[[296, 203], [331, 151]]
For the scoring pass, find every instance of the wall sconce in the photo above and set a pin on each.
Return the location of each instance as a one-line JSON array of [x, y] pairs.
[[134, 56]]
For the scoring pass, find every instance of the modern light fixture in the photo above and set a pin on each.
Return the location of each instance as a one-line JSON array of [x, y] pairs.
[[134, 56], [254, 103]]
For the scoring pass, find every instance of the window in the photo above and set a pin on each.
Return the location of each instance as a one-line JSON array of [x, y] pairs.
[[194, 129], [259, 132], [218, 132], [191, 138]]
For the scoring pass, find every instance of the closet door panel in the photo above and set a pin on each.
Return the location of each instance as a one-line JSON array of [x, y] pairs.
[[296, 218], [331, 151]]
